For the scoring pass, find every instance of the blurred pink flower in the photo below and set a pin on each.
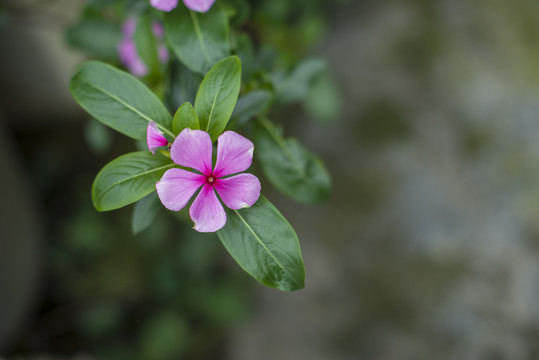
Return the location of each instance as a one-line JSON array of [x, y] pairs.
[[127, 50], [159, 33], [195, 5], [193, 149]]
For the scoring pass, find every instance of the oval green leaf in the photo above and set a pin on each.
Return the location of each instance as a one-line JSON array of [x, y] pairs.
[[198, 40], [182, 85], [185, 117], [289, 166], [145, 212], [323, 101], [249, 105], [95, 35], [295, 85], [265, 245], [127, 179], [217, 96], [119, 100]]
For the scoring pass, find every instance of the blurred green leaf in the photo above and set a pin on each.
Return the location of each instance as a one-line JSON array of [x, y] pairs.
[[185, 117], [164, 337], [264, 245], [323, 100], [251, 104], [290, 167], [96, 36], [239, 12], [217, 95], [246, 54], [294, 86], [266, 58], [127, 179], [198, 40], [118, 100], [145, 212], [183, 85]]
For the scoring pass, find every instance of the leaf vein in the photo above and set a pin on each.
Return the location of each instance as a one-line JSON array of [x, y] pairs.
[[200, 36], [284, 147], [130, 107], [259, 240], [133, 177]]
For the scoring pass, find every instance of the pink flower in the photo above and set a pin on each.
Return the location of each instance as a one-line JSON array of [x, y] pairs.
[[195, 5], [159, 32], [154, 137], [127, 50], [193, 149]]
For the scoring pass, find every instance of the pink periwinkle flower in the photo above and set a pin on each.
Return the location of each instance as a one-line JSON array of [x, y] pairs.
[[159, 32], [195, 5], [154, 137], [127, 50], [193, 149]]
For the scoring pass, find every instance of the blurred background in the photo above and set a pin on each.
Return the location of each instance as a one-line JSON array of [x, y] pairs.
[[428, 248]]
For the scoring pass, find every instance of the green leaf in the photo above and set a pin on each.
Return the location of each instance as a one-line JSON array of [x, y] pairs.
[[119, 100], [251, 104], [198, 40], [239, 12], [323, 101], [185, 117], [245, 52], [145, 212], [291, 168], [94, 35], [264, 245], [182, 85], [295, 86], [127, 179], [217, 95]]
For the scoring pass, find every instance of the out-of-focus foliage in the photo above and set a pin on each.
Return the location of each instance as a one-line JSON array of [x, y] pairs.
[[165, 289], [436, 200], [433, 248]]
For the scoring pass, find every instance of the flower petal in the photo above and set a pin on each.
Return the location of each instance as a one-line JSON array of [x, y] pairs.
[[199, 5], [128, 55], [164, 5], [154, 137], [239, 191], [128, 27], [158, 30], [234, 154], [193, 148], [162, 53], [177, 186], [206, 211]]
